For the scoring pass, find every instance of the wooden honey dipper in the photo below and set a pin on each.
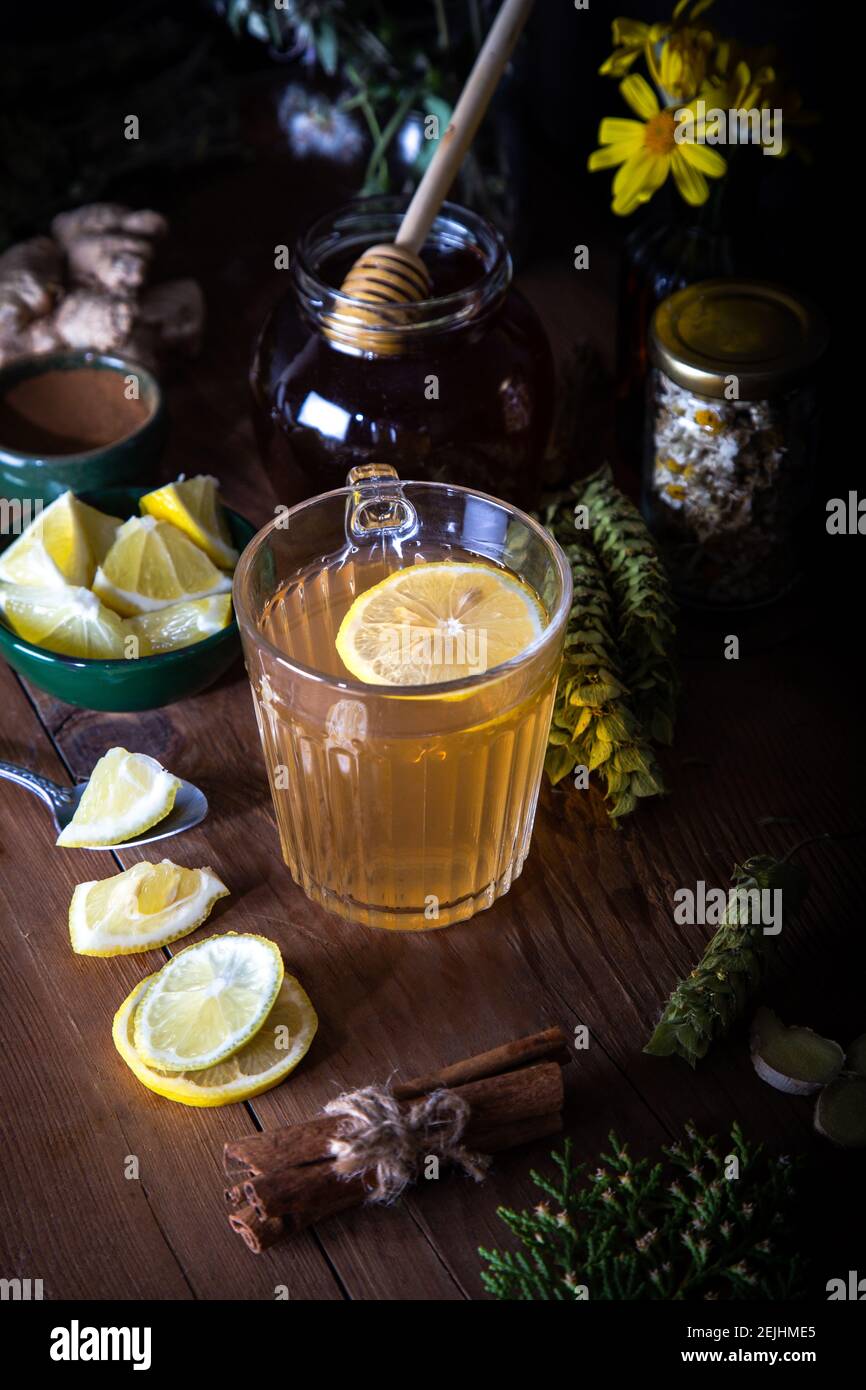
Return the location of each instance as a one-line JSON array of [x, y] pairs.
[[393, 273]]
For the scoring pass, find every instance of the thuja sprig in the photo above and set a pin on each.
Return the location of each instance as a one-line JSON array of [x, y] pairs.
[[645, 606], [593, 723], [704, 1005], [694, 1224]]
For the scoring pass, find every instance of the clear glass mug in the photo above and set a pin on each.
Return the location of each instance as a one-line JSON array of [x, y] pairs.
[[407, 807]]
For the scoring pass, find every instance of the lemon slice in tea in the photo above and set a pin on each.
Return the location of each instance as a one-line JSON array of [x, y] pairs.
[[207, 1002], [127, 794], [153, 565], [193, 505], [438, 622], [144, 907], [267, 1059], [69, 621], [181, 624]]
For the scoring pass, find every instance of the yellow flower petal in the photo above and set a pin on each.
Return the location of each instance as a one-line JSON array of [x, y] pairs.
[[638, 179], [632, 32], [702, 157], [640, 96], [610, 155], [690, 182], [618, 64], [618, 130]]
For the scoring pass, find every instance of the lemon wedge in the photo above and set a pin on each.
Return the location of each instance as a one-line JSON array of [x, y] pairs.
[[144, 907], [193, 505], [207, 1002], [126, 795], [152, 565], [182, 623], [437, 622], [62, 545], [66, 620], [267, 1059]]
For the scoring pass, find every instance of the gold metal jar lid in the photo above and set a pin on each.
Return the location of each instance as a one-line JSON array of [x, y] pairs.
[[765, 336]]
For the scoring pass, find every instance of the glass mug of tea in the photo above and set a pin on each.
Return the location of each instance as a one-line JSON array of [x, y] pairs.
[[403, 642]]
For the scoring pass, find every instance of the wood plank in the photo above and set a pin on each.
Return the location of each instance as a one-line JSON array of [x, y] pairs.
[[72, 1112]]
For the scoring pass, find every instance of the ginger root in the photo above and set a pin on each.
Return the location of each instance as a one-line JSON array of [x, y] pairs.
[[97, 219], [87, 319], [109, 247], [31, 276], [84, 289]]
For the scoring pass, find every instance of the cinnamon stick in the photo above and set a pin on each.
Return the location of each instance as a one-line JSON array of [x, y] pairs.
[[520, 1052], [284, 1180], [257, 1234], [328, 1199], [499, 1107], [310, 1142]]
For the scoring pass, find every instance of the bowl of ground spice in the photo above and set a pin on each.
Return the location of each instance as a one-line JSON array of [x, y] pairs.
[[77, 420]]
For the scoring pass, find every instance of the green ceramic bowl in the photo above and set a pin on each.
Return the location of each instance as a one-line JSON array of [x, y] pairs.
[[46, 476], [150, 681]]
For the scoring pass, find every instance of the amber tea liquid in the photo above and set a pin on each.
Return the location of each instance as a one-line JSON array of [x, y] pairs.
[[401, 810]]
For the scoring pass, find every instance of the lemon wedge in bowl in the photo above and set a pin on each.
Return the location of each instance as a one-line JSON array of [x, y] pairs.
[[181, 624], [67, 620], [62, 545], [207, 1002], [152, 565], [267, 1059], [144, 907], [193, 505], [126, 795], [439, 621]]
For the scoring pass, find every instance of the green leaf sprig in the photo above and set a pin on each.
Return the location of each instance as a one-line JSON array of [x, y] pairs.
[[681, 1228], [645, 605], [703, 1006], [593, 725], [617, 647]]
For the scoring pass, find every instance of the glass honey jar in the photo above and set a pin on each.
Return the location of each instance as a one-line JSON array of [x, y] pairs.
[[460, 392]]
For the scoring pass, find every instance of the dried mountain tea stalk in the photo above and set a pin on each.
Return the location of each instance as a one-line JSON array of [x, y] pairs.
[[704, 1006], [645, 606], [594, 724]]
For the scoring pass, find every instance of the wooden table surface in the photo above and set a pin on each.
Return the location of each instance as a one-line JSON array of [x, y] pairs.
[[585, 937]]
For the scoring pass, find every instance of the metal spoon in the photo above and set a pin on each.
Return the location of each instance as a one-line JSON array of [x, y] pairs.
[[190, 805]]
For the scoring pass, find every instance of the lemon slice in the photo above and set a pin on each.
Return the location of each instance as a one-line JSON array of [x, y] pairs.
[[153, 565], [437, 622], [70, 621], [207, 1002], [127, 794], [142, 908], [267, 1059], [193, 505], [182, 623], [62, 545]]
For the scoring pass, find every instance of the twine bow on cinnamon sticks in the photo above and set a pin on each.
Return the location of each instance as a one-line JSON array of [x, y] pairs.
[[369, 1144], [377, 1137]]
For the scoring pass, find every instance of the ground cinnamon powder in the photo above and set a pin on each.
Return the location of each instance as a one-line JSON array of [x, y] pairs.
[[68, 412]]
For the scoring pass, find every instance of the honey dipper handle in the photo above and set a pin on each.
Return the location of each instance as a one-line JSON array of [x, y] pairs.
[[465, 120]]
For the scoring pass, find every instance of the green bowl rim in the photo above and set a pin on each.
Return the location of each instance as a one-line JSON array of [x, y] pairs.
[[18, 369], [8, 638]]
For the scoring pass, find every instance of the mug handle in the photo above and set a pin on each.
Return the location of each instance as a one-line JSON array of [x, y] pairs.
[[377, 507]]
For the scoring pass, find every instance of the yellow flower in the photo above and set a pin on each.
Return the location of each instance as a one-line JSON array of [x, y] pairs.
[[631, 38], [647, 150], [682, 64]]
